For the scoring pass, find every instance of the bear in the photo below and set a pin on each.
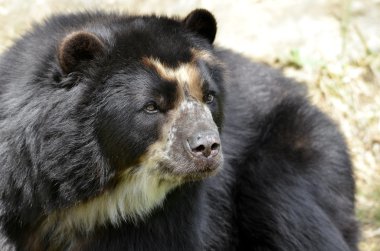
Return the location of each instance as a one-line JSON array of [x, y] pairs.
[[129, 132]]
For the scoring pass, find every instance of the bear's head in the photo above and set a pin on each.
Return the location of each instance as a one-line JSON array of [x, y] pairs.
[[145, 118]]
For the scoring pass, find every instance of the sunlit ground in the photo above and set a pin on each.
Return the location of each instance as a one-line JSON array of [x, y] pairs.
[[331, 45]]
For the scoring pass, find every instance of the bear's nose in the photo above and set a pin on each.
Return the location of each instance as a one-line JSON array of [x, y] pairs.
[[204, 144]]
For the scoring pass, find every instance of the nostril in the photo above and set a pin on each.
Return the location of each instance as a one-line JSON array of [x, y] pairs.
[[215, 146], [200, 148]]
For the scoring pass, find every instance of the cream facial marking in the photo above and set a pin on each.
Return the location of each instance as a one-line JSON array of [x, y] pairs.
[[186, 75], [204, 55], [190, 109]]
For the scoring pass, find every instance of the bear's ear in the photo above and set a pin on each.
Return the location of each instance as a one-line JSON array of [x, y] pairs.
[[78, 47], [202, 22]]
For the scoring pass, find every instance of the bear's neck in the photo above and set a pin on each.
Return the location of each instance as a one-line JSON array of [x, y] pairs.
[[174, 225], [132, 203]]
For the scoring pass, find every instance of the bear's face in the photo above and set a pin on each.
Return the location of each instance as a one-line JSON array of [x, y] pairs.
[[162, 117], [157, 92]]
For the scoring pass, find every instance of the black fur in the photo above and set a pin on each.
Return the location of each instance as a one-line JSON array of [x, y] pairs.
[[286, 182]]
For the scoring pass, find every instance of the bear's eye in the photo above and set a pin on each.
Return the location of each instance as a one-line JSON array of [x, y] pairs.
[[209, 98], [151, 107]]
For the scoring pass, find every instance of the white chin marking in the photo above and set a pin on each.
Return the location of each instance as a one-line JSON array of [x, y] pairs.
[[135, 196]]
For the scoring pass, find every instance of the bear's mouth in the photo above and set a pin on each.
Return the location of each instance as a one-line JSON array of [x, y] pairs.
[[191, 169]]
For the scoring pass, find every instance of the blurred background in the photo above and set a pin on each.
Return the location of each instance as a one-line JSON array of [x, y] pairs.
[[333, 46]]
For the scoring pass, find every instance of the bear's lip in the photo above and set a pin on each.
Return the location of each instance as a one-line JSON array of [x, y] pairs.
[[206, 165], [197, 175], [195, 169]]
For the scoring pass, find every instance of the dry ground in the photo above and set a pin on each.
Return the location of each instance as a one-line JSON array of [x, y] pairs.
[[331, 45]]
